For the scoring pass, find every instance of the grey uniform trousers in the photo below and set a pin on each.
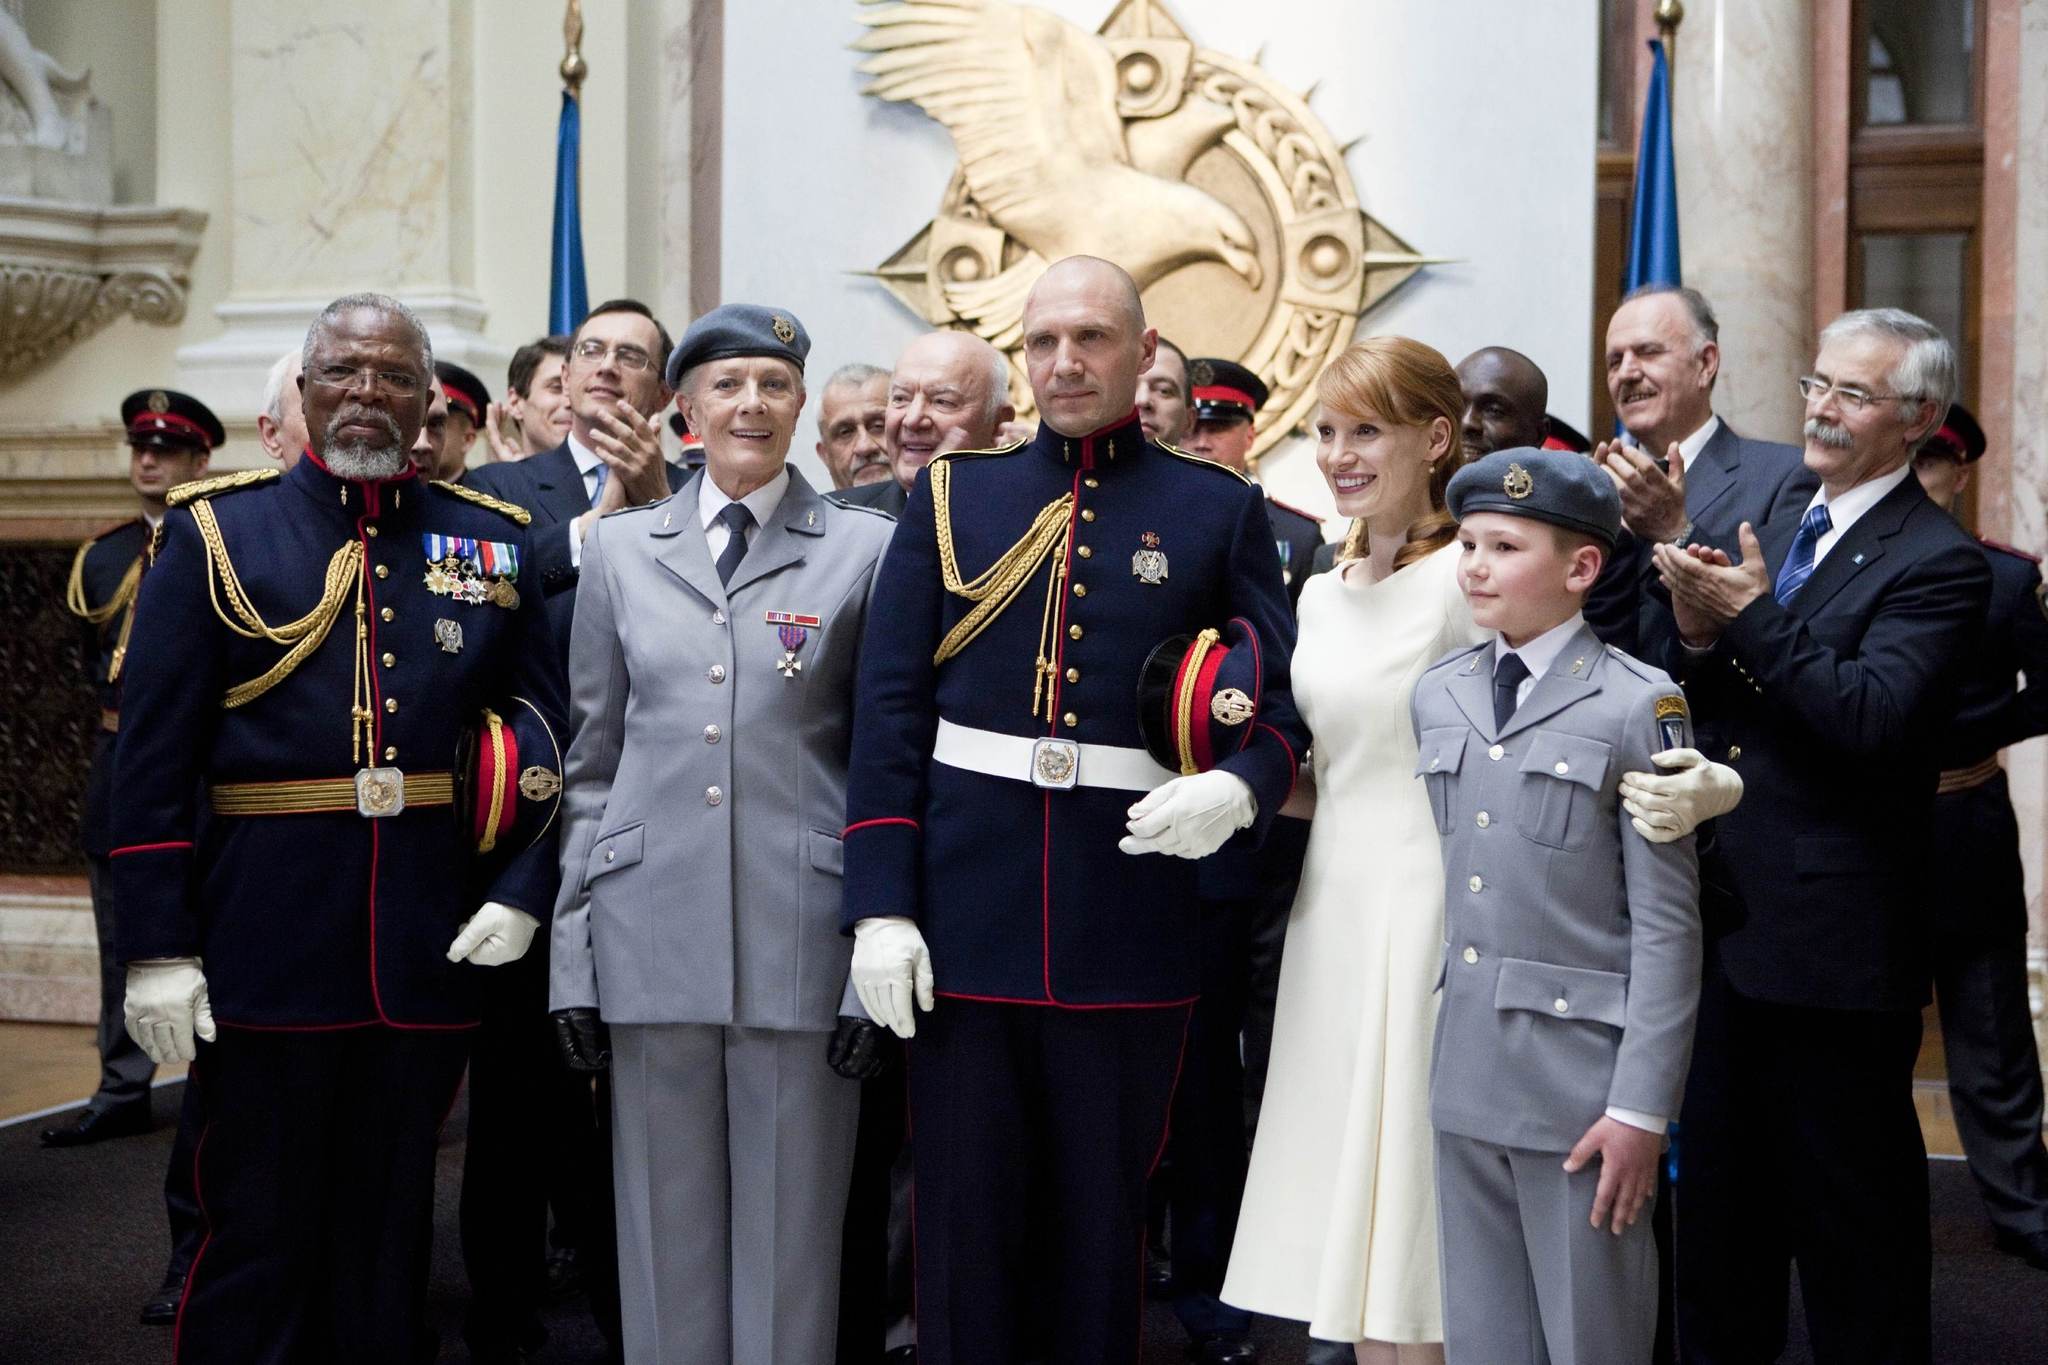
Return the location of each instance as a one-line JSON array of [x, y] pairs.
[[731, 1149]]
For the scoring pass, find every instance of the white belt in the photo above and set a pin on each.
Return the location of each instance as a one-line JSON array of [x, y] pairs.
[[1055, 763]]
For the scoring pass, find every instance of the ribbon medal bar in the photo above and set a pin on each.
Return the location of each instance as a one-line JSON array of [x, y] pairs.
[[472, 571]]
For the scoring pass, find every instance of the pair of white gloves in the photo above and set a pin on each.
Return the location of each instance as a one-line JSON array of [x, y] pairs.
[[168, 1012], [1192, 817]]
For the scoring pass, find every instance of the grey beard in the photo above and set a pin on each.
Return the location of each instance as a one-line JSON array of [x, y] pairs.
[[361, 461]]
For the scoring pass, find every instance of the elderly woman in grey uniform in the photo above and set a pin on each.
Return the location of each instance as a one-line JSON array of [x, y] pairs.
[[696, 943]]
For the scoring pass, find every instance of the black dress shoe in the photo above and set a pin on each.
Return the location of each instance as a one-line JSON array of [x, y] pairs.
[[2031, 1247], [97, 1125], [1223, 1348], [161, 1308], [1158, 1276], [565, 1272], [900, 1355]]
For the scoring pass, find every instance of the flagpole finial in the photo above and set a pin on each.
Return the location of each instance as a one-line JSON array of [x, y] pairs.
[[1669, 15], [573, 67]]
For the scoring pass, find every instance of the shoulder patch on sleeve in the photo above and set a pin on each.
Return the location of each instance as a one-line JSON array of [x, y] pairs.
[[220, 483], [1178, 453], [498, 505]]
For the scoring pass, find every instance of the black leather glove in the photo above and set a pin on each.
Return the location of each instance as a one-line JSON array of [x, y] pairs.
[[584, 1041], [860, 1049]]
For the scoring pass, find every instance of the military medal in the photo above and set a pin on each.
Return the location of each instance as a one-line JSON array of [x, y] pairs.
[[1148, 565], [1286, 560], [792, 630], [472, 571], [448, 635]]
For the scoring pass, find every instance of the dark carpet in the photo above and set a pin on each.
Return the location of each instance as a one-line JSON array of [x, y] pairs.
[[83, 1241]]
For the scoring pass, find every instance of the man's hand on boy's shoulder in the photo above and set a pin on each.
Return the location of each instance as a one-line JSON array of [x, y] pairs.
[[1628, 1170]]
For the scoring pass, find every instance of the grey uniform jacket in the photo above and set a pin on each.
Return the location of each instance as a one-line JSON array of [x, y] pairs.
[[1572, 944], [705, 787]]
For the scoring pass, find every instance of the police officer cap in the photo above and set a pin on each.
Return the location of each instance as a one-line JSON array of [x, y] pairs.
[[464, 390], [1557, 486], [164, 419], [1958, 437], [1224, 391], [734, 329]]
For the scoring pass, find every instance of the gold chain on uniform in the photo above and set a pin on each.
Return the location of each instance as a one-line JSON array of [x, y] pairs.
[[124, 594], [300, 637], [996, 587]]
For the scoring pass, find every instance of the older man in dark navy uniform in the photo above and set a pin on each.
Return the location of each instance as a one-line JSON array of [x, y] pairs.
[[316, 653], [994, 853], [1974, 883]]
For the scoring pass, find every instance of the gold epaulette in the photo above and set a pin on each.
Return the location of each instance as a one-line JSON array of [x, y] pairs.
[[220, 483], [1204, 462], [508, 509], [1009, 449]]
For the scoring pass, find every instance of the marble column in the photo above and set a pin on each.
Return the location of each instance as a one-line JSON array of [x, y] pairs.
[[1742, 116], [357, 173]]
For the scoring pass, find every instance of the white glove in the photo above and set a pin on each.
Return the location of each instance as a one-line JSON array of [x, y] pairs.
[[493, 936], [891, 967], [166, 1008], [1190, 817], [1666, 808]]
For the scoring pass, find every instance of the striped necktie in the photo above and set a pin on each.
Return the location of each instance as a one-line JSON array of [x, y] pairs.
[[1799, 560]]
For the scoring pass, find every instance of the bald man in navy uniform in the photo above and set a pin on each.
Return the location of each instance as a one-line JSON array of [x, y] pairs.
[[1011, 911]]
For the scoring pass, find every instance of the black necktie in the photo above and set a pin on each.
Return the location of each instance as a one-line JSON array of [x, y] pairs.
[[737, 519], [1507, 677]]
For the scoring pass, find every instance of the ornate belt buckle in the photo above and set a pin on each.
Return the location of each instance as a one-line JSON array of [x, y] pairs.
[[1055, 763], [379, 792]]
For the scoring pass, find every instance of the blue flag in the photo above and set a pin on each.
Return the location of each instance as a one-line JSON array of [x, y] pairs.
[[568, 294], [1653, 221]]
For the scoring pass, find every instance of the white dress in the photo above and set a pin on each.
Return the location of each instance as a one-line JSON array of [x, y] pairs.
[[1338, 1227]]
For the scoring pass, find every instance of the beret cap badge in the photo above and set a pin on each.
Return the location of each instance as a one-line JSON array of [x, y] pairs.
[[785, 330], [1203, 373], [1517, 484]]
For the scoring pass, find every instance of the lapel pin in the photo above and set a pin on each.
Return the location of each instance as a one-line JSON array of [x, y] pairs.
[[1857, 560], [810, 518], [666, 518], [448, 635], [1577, 664]]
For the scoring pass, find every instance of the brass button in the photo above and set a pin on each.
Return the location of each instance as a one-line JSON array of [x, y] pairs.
[[1087, 514], [369, 530], [1476, 884], [1734, 752], [1484, 819], [713, 796], [1085, 552], [1073, 675], [715, 673], [1070, 720], [711, 734], [383, 571], [1080, 590], [1495, 753], [1562, 768], [1560, 1004], [388, 614], [1090, 483], [1471, 955], [391, 754], [390, 659], [1073, 632], [717, 618], [391, 704]]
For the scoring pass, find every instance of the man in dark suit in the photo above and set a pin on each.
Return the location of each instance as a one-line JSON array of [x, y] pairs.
[[1974, 883], [612, 458], [1685, 476], [1823, 662], [950, 391]]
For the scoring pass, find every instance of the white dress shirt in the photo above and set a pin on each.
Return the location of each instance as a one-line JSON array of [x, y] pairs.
[[1689, 448], [587, 464], [1537, 656], [762, 502], [1846, 510]]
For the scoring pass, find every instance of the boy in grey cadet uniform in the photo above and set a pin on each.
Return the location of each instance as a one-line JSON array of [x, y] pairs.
[[1572, 941]]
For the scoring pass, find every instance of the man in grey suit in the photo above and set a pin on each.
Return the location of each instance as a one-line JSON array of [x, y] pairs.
[[1688, 478], [950, 391], [696, 942], [1572, 940]]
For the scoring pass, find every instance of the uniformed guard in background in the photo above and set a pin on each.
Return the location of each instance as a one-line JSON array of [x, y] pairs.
[[171, 436], [309, 653], [1227, 398], [999, 873], [1974, 884]]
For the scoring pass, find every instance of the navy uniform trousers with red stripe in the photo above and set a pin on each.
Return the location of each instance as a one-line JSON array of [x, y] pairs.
[[1040, 1084], [343, 1027]]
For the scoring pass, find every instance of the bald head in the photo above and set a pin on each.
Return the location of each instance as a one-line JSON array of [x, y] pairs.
[[1506, 396], [950, 391], [1085, 343]]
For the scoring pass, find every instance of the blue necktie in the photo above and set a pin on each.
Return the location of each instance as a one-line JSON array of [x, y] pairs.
[[737, 519], [1799, 560], [597, 490], [1507, 682]]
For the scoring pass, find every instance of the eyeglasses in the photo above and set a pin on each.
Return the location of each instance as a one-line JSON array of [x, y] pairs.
[[395, 382], [1815, 389], [629, 357]]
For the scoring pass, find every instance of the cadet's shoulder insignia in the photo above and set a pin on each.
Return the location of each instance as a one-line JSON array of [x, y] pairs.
[[1298, 511], [2015, 550], [1671, 722], [1177, 452], [498, 505], [221, 483]]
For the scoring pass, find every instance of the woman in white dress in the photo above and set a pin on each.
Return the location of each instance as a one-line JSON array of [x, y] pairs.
[[1338, 1226]]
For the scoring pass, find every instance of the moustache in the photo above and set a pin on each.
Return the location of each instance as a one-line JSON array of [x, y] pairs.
[[1827, 434], [383, 421]]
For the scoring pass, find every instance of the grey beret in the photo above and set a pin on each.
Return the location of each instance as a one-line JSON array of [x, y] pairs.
[[739, 329], [1562, 487]]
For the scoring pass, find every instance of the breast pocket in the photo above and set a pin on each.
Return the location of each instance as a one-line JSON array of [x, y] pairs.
[[1437, 760], [1562, 777]]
